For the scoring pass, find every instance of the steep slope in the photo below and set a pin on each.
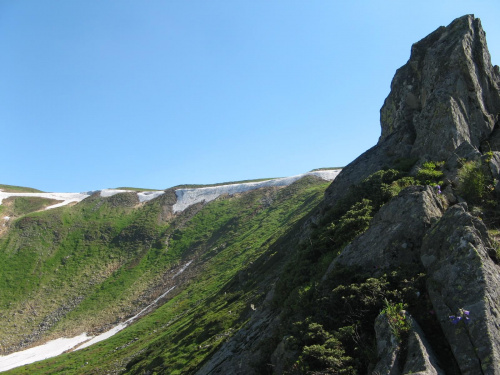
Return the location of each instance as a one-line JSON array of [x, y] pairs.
[[89, 267], [414, 278]]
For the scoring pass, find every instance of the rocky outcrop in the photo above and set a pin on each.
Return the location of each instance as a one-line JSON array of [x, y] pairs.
[[418, 358], [456, 253], [388, 242], [458, 257], [462, 275], [444, 104], [241, 354], [446, 94]]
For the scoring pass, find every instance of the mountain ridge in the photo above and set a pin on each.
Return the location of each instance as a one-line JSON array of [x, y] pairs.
[[393, 268]]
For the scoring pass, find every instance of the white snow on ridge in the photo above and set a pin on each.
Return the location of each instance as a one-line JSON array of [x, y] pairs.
[[68, 198], [185, 197], [65, 197], [106, 193], [146, 196], [188, 197]]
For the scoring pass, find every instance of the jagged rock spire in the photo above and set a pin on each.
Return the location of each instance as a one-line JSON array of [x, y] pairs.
[[446, 94]]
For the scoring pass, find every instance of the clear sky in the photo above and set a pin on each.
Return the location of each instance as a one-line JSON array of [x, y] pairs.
[[152, 94]]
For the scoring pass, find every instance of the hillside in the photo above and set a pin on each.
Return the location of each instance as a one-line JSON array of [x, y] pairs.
[[393, 268], [89, 267]]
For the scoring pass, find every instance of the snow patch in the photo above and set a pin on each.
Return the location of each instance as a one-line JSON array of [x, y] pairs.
[[56, 347], [38, 353], [103, 336], [106, 193], [65, 197], [188, 197], [146, 196], [68, 198], [185, 197]]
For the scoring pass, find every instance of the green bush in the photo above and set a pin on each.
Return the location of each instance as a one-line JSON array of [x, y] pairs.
[[473, 181], [352, 223], [398, 322], [430, 173], [400, 184], [323, 351]]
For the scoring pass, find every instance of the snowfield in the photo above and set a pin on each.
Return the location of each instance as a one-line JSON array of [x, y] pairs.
[[68, 198], [145, 196], [188, 197], [65, 197], [38, 353], [185, 197]]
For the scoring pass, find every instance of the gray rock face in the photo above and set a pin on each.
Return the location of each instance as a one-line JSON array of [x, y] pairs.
[[387, 348], [388, 242], [455, 253], [444, 105], [378, 157], [419, 358], [447, 93], [461, 275]]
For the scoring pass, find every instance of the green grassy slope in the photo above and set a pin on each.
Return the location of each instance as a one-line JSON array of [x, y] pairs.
[[95, 264], [18, 189], [18, 206]]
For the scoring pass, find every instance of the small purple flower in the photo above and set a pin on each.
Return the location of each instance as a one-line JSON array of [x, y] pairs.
[[461, 314], [438, 187]]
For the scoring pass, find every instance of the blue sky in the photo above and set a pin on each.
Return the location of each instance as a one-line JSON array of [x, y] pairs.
[[101, 94]]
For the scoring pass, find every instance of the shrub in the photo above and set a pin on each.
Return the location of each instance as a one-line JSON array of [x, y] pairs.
[[398, 322], [400, 184], [352, 223], [473, 181], [323, 351], [430, 173]]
